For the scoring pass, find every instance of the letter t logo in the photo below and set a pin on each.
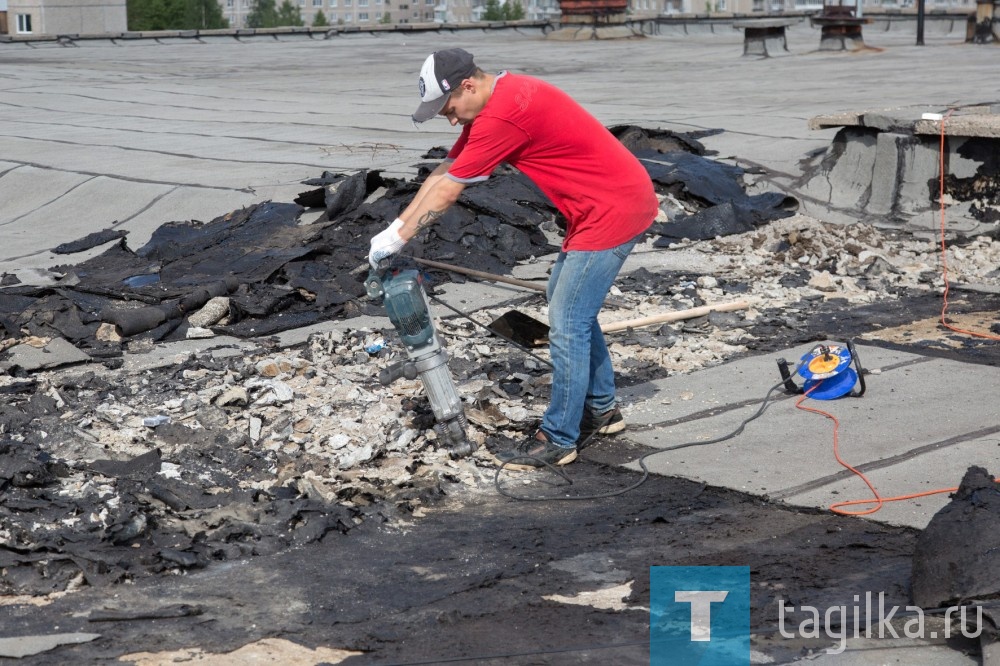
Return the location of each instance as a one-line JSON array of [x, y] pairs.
[[701, 610]]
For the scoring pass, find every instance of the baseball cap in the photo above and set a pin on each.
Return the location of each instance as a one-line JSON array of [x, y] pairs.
[[442, 72]]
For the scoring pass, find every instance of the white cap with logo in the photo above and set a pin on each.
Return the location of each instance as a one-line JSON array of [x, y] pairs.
[[443, 71]]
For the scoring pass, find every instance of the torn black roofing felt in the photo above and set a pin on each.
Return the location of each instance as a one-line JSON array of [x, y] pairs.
[[955, 560], [281, 273], [89, 241], [45, 548]]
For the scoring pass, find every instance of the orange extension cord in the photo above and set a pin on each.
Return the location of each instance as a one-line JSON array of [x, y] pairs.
[[878, 500], [944, 254]]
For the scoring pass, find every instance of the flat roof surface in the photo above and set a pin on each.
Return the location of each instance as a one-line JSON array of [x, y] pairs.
[[135, 134]]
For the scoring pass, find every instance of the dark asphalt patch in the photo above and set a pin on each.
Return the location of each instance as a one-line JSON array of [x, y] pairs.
[[836, 320], [468, 579]]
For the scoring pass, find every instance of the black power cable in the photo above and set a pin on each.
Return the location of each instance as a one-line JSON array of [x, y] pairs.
[[641, 461]]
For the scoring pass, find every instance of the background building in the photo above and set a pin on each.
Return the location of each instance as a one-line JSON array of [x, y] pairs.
[[777, 6], [65, 17], [68, 17], [393, 12]]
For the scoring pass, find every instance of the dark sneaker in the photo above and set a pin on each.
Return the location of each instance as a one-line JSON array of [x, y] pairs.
[[593, 424], [534, 453]]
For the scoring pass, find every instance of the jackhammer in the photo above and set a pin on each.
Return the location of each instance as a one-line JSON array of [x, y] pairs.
[[406, 304]]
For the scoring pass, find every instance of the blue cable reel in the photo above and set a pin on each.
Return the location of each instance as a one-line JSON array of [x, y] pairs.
[[827, 372]]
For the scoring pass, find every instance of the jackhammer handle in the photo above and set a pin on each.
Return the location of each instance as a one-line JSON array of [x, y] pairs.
[[395, 371]]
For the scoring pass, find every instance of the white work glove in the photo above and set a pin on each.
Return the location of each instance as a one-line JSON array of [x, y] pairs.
[[386, 243]]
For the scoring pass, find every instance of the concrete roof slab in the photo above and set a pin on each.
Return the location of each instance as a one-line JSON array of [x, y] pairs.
[[878, 652], [57, 352], [907, 477], [916, 411], [56, 222], [683, 397], [973, 121], [27, 188], [209, 124]]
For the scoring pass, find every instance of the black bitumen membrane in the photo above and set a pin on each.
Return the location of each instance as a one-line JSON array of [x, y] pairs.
[[280, 274], [470, 583]]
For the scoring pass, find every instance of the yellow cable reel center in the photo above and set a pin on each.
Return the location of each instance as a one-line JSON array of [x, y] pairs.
[[824, 363]]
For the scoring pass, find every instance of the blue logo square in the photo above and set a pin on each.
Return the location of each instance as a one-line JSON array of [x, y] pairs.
[[699, 616]]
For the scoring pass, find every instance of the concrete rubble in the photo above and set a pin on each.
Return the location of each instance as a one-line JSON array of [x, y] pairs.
[[296, 431]]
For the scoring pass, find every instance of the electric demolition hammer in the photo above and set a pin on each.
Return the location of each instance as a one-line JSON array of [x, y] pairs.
[[406, 304]]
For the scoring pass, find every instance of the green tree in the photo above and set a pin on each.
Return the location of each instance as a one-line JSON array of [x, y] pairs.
[[204, 15], [263, 14], [506, 11], [174, 15], [493, 11], [513, 11], [320, 20], [289, 14], [151, 15], [386, 18]]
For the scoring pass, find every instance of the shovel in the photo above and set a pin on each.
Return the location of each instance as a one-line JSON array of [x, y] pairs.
[[523, 329], [528, 331], [513, 325]]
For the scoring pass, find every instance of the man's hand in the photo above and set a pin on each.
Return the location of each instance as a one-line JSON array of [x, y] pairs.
[[386, 243]]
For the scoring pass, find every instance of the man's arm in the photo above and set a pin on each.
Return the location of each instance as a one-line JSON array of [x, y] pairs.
[[435, 196]]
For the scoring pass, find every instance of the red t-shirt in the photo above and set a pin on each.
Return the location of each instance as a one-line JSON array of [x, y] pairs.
[[601, 188]]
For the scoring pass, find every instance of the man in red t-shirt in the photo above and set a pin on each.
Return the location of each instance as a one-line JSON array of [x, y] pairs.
[[598, 185]]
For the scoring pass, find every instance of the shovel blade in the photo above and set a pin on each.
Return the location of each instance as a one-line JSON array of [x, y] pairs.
[[521, 328]]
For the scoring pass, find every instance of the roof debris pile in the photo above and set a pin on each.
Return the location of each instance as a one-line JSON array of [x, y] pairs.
[[108, 475], [705, 198], [106, 478], [982, 188], [277, 272]]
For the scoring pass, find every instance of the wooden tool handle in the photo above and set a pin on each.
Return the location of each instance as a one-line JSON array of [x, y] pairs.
[[673, 316]]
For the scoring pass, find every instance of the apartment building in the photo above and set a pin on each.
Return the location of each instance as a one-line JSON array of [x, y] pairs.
[[65, 17], [53, 17], [349, 12], [776, 6], [393, 12]]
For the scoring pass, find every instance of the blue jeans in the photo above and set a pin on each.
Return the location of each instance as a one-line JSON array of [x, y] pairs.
[[582, 376]]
